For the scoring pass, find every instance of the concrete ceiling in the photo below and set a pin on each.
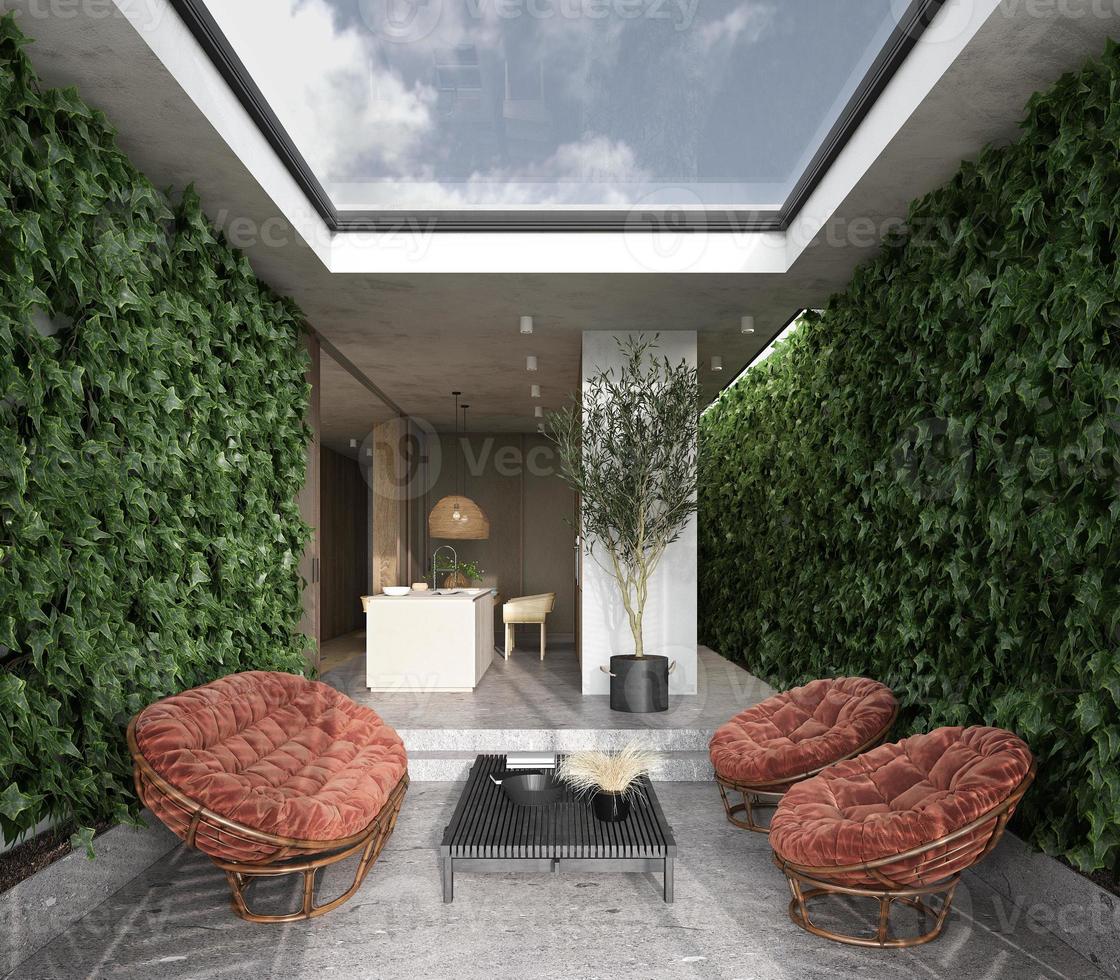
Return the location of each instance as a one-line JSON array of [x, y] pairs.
[[419, 336], [348, 410]]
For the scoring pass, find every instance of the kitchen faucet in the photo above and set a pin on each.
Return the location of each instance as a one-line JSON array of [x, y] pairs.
[[435, 563]]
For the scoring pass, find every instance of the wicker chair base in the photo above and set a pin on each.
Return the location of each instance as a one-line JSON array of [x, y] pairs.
[[742, 814], [935, 870], [767, 796], [806, 890], [242, 877], [301, 857]]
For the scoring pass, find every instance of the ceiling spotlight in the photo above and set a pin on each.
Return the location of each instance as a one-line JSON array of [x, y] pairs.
[[746, 324], [535, 391], [531, 362], [526, 324], [539, 411], [353, 443], [717, 363]]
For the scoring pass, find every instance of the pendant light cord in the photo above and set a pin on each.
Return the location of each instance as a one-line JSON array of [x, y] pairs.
[[465, 436], [458, 448]]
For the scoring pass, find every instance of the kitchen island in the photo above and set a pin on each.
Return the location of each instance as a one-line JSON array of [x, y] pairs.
[[437, 641]]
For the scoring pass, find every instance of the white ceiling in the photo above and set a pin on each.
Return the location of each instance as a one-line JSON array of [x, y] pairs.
[[418, 336]]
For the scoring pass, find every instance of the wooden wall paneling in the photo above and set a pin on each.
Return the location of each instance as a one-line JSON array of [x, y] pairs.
[[386, 506], [344, 544], [549, 552]]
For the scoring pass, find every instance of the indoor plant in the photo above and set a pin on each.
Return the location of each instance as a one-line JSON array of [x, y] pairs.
[[627, 446], [609, 778], [459, 574]]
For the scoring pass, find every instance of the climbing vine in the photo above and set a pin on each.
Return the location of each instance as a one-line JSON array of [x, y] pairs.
[[152, 444], [923, 484]]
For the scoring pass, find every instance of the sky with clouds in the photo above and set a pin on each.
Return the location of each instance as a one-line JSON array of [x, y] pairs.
[[476, 103]]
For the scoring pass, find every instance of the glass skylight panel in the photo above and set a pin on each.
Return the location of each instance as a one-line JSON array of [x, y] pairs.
[[508, 105]]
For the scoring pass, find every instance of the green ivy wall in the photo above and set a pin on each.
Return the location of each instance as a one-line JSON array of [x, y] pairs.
[[923, 484], [151, 451]]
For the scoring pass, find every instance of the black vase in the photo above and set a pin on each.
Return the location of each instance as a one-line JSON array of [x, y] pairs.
[[639, 684], [610, 807]]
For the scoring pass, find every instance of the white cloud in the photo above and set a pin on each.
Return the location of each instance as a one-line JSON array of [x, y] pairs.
[[745, 22], [595, 159], [342, 107], [595, 170]]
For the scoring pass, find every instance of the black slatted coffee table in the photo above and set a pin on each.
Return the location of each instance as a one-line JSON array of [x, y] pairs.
[[489, 833]]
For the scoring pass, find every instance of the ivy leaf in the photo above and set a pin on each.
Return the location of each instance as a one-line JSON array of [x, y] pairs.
[[920, 484], [111, 498], [82, 840], [13, 802], [1089, 712]]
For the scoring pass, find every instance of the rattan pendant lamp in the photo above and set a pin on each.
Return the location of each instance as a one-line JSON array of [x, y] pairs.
[[457, 517]]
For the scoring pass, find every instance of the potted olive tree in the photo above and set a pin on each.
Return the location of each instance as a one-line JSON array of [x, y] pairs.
[[627, 446]]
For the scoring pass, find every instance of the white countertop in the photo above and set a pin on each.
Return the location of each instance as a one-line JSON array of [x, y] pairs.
[[470, 595]]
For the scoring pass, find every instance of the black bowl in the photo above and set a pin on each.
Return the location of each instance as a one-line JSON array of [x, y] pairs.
[[532, 789]]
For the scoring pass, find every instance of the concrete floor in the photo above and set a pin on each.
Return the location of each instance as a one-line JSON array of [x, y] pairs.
[[729, 921], [526, 693]]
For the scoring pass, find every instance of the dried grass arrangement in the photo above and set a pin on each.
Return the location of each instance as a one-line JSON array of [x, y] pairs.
[[588, 773]]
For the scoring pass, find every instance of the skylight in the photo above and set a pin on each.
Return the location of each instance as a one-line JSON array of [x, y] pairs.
[[558, 107]]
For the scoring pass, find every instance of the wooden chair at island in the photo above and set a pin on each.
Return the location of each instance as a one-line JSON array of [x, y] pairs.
[[527, 609]]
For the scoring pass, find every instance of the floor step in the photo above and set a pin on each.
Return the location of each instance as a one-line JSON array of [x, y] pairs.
[[481, 740], [450, 766]]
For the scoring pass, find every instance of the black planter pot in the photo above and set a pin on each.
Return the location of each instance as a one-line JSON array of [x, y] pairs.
[[610, 807], [639, 684]]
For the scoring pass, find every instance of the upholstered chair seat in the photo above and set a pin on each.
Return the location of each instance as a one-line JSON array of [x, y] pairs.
[[258, 768], [900, 821], [788, 737]]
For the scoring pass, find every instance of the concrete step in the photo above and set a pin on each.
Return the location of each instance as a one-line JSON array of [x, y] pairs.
[[450, 766], [484, 740]]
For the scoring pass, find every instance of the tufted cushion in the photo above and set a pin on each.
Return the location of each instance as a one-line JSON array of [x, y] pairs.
[[898, 797], [801, 730], [273, 752]]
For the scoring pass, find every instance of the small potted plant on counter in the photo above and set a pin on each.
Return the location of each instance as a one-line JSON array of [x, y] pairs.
[[610, 779], [459, 575]]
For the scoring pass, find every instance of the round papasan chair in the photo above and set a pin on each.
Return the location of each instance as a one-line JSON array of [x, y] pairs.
[[899, 824], [791, 736], [271, 774]]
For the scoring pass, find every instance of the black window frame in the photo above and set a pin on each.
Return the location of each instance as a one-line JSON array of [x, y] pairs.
[[905, 35]]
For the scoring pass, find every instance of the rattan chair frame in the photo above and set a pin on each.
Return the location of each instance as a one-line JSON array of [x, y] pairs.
[[767, 796], [301, 856], [808, 883]]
